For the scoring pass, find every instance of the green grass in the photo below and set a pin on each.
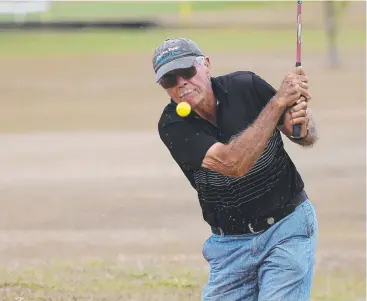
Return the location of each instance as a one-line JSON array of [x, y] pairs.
[[98, 9], [102, 280], [40, 44]]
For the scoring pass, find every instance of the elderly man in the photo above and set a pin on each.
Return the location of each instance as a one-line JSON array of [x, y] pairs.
[[264, 227]]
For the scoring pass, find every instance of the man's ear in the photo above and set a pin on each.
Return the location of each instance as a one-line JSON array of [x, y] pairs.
[[207, 62], [207, 66]]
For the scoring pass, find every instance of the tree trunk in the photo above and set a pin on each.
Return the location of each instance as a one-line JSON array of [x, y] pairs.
[[331, 34]]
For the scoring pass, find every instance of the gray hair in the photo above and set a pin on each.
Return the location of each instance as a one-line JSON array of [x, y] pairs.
[[200, 60]]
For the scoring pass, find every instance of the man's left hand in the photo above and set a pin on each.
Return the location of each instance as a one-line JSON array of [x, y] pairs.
[[296, 115]]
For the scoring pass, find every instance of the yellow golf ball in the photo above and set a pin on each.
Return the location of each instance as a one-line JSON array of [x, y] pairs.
[[183, 109]]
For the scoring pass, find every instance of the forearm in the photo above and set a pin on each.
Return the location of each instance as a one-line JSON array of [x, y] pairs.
[[238, 156], [248, 146]]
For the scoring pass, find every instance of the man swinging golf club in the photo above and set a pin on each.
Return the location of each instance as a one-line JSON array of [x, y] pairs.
[[264, 227]]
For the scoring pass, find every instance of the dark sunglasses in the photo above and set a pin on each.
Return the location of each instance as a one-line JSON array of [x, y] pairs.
[[169, 80]]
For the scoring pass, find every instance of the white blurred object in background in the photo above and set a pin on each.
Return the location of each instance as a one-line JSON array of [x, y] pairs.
[[19, 9]]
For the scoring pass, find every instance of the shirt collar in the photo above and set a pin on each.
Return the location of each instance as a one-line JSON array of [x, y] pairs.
[[219, 91]]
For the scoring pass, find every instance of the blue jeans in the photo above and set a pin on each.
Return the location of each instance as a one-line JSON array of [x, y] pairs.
[[275, 265]]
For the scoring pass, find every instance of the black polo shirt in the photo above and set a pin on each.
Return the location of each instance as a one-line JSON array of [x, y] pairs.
[[229, 202]]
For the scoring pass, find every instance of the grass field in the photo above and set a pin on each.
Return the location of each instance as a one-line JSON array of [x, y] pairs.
[[78, 10], [37, 44], [93, 206], [106, 280]]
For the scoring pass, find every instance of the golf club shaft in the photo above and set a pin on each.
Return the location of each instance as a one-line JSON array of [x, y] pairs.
[[297, 127]]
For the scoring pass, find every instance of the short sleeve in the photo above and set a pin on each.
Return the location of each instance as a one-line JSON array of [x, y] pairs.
[[265, 92], [187, 145], [263, 89]]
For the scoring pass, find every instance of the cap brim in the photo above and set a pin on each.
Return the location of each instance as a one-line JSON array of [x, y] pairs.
[[181, 63]]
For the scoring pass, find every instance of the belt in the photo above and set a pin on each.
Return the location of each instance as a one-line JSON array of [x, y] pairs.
[[263, 223]]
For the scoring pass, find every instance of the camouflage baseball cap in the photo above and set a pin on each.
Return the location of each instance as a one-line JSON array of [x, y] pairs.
[[174, 54]]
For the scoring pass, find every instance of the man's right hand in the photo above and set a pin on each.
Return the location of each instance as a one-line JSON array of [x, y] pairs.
[[293, 86]]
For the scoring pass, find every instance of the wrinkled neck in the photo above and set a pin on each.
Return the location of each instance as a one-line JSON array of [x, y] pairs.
[[208, 107]]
